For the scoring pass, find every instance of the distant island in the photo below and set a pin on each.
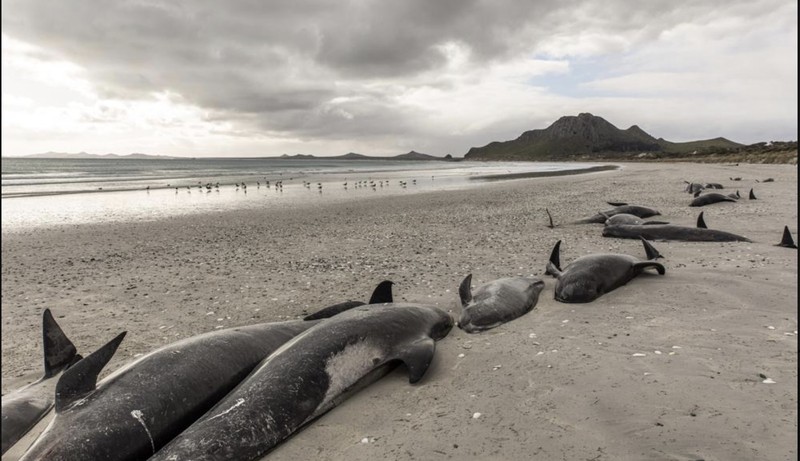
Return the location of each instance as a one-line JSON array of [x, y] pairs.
[[589, 137], [416, 156]]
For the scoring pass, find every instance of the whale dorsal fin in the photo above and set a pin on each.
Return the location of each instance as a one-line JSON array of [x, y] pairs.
[[640, 267], [650, 250], [617, 203], [554, 265], [787, 240], [59, 351], [550, 217], [382, 293], [752, 195], [701, 223], [738, 195], [465, 290], [418, 357], [81, 378]]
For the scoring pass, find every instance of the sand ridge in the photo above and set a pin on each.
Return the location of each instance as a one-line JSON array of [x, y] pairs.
[[665, 367]]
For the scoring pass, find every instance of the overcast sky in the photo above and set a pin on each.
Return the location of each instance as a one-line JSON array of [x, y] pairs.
[[262, 78]]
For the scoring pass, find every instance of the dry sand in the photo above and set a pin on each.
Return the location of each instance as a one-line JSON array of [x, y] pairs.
[[562, 382]]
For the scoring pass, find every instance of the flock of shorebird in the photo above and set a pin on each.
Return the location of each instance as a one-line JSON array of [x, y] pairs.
[[278, 185]]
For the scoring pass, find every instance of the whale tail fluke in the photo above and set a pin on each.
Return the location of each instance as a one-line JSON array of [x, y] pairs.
[[640, 267], [787, 240], [554, 264], [752, 196], [59, 352], [650, 250], [382, 293], [701, 223], [465, 290], [81, 378]]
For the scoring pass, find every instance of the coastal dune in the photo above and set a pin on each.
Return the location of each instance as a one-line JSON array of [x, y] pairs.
[[698, 364]]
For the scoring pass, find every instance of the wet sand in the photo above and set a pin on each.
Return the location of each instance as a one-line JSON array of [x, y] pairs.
[[561, 382]]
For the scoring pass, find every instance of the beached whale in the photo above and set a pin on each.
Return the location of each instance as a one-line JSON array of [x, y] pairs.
[[497, 302], [589, 277], [139, 408], [701, 233], [620, 207], [625, 218], [710, 198], [310, 375], [381, 294], [24, 407]]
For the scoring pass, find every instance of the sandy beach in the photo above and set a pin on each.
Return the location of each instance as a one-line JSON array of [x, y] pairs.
[[665, 368]]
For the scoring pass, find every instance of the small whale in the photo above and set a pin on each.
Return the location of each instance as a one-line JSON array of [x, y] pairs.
[[620, 207], [497, 302], [310, 375], [589, 277], [701, 233], [137, 409], [787, 241], [693, 187], [24, 407], [708, 199]]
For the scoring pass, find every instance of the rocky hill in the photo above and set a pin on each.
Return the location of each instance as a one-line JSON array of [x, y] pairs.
[[587, 136]]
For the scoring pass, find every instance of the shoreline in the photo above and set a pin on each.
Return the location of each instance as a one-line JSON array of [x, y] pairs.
[[560, 382]]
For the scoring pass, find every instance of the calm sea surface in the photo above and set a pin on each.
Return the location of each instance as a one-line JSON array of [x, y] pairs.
[[49, 192]]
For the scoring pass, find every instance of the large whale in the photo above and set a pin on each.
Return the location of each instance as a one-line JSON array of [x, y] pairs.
[[139, 408], [382, 294], [619, 207], [24, 407], [672, 232], [497, 302], [310, 375], [589, 277]]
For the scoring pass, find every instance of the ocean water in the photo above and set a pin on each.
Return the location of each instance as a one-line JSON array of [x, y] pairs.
[[53, 192]]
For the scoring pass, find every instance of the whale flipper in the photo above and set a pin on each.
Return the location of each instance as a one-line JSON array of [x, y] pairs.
[[58, 349], [617, 203], [752, 195], [382, 293], [650, 250], [554, 265], [465, 290], [701, 223], [81, 378], [417, 357], [640, 267], [787, 240]]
